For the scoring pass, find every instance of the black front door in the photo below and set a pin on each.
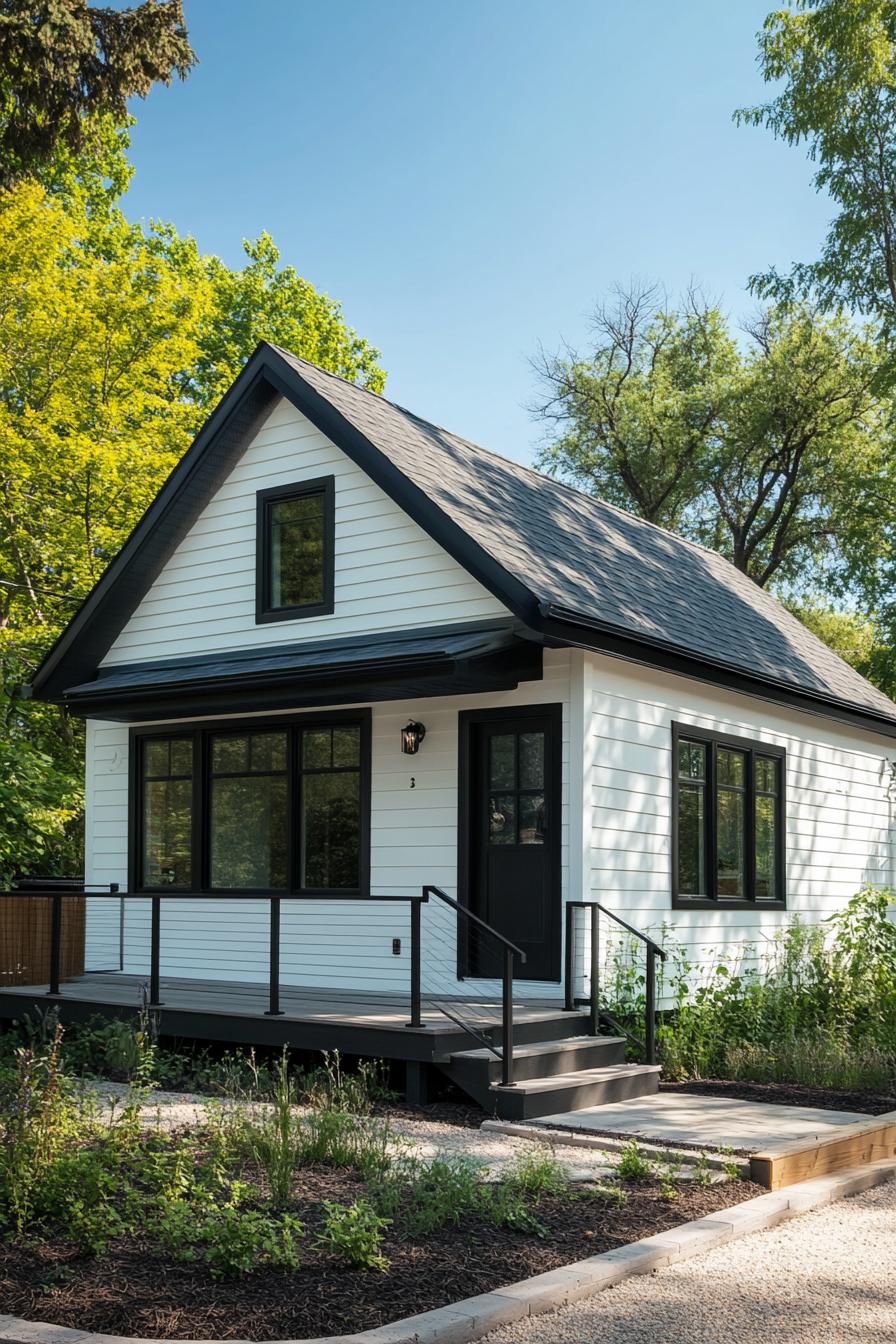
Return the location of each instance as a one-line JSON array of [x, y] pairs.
[[511, 837]]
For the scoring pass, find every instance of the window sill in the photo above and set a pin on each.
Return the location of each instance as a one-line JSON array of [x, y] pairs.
[[707, 903], [293, 613]]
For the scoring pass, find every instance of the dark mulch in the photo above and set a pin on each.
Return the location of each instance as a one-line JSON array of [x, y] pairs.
[[789, 1094], [135, 1290], [465, 1114]]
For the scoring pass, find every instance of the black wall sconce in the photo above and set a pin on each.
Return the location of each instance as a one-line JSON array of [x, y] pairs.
[[411, 737]]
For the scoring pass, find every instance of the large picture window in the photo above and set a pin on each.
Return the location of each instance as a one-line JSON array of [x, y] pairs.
[[271, 807], [728, 820], [295, 540]]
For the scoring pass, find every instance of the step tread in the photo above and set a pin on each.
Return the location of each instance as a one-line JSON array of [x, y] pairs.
[[543, 1047], [581, 1077]]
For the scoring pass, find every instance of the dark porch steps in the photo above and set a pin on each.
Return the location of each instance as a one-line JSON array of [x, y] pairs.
[[551, 1076]]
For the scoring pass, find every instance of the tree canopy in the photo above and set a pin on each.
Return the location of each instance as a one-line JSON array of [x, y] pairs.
[[115, 342], [767, 445], [835, 64], [66, 67]]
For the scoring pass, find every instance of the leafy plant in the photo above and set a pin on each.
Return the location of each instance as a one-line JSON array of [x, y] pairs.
[[535, 1174], [355, 1232], [633, 1165]]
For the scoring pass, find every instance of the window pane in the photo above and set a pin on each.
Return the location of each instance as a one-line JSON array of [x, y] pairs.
[[691, 840], [347, 746], [730, 767], [531, 748], [167, 827], [317, 744], [331, 828], [502, 819], [268, 751], [297, 551], [766, 849], [248, 832], [230, 755], [502, 754], [766, 774], [692, 760], [181, 756], [155, 757], [531, 818], [730, 843]]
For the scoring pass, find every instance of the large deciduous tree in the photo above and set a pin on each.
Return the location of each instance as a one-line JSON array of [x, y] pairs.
[[67, 66], [115, 342], [770, 450]]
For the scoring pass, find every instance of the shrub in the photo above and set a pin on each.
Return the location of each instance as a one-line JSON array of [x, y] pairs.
[[355, 1232], [536, 1174], [237, 1241]]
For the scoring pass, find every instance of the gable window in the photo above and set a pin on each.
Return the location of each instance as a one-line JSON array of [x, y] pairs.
[[728, 820], [274, 807], [295, 533]]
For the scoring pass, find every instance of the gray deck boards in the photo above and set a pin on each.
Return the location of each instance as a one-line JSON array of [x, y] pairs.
[[312, 1018]]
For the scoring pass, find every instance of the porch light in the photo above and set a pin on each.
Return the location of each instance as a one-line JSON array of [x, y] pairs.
[[411, 737]]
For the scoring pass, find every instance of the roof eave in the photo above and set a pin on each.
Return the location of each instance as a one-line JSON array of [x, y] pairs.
[[583, 631]]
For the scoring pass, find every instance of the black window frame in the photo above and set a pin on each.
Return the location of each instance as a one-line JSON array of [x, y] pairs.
[[751, 747], [201, 734], [325, 486]]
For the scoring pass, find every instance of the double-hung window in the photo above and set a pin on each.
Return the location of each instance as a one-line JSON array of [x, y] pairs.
[[728, 818], [263, 807]]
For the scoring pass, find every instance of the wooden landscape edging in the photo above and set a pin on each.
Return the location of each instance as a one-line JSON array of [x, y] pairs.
[[853, 1145]]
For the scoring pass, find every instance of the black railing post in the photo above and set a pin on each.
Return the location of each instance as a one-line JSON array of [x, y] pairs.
[[155, 940], [416, 964], [55, 941], [570, 996], [650, 1024], [595, 970], [507, 1020], [274, 1009]]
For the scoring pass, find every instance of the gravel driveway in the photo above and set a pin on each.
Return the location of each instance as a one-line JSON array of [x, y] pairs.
[[826, 1278]]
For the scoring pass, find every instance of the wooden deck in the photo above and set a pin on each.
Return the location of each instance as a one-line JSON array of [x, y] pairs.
[[351, 1021]]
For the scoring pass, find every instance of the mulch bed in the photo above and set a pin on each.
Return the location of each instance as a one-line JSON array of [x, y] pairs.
[[788, 1094], [134, 1289]]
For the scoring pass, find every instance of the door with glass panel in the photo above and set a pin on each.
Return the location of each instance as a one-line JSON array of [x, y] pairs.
[[511, 838]]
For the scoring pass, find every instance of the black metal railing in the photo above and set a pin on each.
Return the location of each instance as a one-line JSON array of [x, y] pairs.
[[55, 895], [455, 1009], [592, 959]]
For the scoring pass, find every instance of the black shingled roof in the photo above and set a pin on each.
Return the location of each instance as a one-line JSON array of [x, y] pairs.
[[575, 569], [582, 557]]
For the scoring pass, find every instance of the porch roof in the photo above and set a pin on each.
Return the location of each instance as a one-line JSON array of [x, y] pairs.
[[441, 661]]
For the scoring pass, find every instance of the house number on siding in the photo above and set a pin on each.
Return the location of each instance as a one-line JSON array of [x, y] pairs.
[[413, 782]]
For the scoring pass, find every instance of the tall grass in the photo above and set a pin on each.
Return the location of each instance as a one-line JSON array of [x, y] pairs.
[[818, 1006]]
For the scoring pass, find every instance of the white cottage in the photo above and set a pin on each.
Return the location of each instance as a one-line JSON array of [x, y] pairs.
[[348, 660]]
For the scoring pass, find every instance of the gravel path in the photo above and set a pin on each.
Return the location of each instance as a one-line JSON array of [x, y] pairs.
[[828, 1277], [428, 1138]]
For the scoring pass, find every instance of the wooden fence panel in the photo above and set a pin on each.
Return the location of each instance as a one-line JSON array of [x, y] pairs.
[[25, 939]]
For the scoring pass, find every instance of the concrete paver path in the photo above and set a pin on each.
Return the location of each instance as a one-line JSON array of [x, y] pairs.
[[683, 1117], [828, 1277]]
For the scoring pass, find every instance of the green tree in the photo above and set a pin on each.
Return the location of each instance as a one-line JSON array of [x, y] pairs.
[[67, 67], [772, 452], [835, 64], [115, 342]]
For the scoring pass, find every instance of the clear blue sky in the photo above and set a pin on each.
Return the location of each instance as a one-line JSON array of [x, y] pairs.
[[469, 176]]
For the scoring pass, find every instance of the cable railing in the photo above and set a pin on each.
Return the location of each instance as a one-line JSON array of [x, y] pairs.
[[586, 959], [480, 949]]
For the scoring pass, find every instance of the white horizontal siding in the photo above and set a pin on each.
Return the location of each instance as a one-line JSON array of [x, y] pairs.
[[389, 574], [840, 819], [325, 943]]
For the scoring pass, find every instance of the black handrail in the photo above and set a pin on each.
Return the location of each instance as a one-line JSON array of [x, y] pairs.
[[653, 949], [510, 951], [55, 895]]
